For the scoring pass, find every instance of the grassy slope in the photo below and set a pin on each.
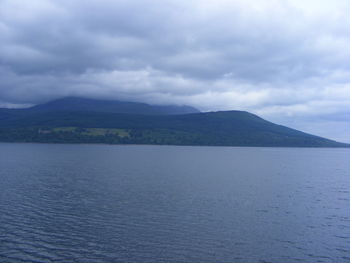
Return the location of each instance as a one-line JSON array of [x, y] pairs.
[[231, 128]]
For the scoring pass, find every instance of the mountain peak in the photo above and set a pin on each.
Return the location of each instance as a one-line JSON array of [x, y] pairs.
[[112, 106]]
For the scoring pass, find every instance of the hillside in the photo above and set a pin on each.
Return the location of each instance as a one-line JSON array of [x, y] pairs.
[[87, 125]]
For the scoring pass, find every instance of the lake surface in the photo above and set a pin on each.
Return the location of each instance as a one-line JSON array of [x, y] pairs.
[[101, 203]]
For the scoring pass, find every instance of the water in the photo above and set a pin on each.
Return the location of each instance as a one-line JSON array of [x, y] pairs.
[[100, 203]]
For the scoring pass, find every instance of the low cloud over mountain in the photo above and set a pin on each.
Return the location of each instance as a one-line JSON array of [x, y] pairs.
[[285, 60]]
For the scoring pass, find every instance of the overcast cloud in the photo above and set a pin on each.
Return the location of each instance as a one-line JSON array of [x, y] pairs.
[[287, 61]]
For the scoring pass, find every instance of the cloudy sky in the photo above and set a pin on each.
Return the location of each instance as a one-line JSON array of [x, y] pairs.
[[286, 60]]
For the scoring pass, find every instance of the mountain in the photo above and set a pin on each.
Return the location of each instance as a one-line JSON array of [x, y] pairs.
[[95, 122], [112, 106]]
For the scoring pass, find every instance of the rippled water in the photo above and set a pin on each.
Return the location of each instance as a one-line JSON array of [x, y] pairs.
[[98, 203]]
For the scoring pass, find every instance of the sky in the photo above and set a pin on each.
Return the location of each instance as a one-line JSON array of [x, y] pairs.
[[286, 60]]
